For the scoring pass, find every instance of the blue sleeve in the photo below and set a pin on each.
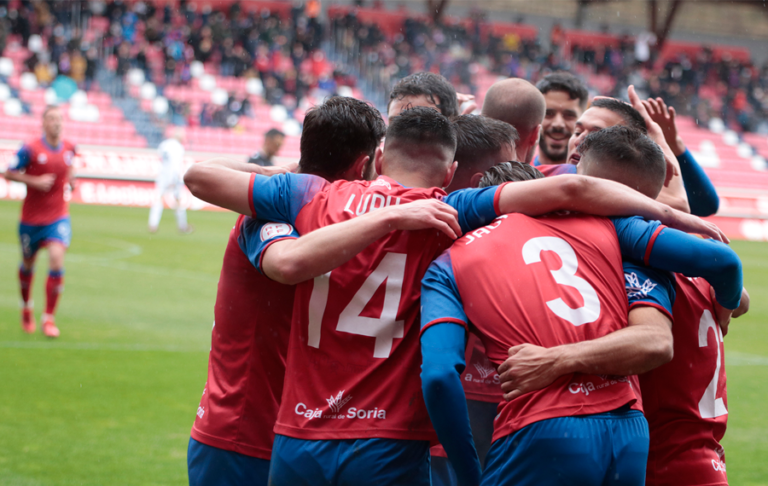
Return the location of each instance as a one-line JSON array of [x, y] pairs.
[[256, 235], [635, 235], [443, 342], [692, 256], [440, 299], [22, 159], [281, 197], [674, 251], [649, 287], [702, 196], [476, 207]]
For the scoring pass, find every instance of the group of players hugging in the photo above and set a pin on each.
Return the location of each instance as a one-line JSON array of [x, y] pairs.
[[437, 311]]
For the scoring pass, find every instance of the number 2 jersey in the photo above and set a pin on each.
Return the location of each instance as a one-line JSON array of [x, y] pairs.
[[353, 360], [546, 281], [685, 400]]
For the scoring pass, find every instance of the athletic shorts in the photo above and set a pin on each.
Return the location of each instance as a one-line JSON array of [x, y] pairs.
[[481, 415], [35, 237], [211, 466], [588, 450], [354, 462]]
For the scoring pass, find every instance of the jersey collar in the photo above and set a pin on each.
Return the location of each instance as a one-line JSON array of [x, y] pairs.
[[53, 149]]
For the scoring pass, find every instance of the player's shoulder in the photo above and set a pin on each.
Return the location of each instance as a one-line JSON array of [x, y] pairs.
[[695, 287]]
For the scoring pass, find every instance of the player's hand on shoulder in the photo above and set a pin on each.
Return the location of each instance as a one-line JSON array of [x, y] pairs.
[[689, 223], [426, 214], [528, 368], [44, 182], [467, 103]]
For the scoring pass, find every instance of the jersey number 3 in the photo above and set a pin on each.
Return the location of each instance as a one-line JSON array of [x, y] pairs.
[[565, 275], [384, 328], [710, 406]]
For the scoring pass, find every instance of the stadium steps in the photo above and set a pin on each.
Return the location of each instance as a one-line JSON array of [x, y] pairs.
[[130, 108]]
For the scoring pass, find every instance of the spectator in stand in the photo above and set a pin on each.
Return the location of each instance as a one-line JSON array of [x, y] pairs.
[[273, 141], [566, 99]]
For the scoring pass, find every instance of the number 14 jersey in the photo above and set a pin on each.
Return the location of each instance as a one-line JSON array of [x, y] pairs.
[[353, 361]]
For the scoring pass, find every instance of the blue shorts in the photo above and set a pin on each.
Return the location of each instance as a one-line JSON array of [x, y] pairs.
[[35, 237], [481, 415], [211, 466], [354, 462], [589, 450]]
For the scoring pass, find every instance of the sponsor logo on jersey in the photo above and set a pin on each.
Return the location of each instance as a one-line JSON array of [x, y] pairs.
[[68, 157], [485, 371], [271, 230], [42, 158], [589, 387], [200, 412], [634, 289], [335, 405]]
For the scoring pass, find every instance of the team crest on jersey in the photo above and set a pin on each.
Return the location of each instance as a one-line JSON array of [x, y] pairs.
[[634, 289], [68, 157], [270, 230], [42, 158], [381, 182], [485, 371]]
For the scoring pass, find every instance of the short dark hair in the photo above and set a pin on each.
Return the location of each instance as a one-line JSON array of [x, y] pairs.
[[421, 125], [632, 152], [274, 132], [632, 118], [478, 135], [336, 133], [512, 171], [567, 83], [430, 85]]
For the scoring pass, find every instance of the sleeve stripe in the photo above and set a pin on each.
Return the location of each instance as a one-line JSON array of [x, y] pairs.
[[645, 303], [497, 197], [444, 320], [250, 195], [264, 252], [651, 241]]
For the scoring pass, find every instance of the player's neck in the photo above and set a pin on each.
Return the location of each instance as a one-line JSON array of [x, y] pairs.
[[53, 142], [412, 179]]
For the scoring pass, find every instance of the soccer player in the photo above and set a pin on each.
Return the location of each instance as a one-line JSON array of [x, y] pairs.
[[354, 337], [273, 141], [519, 103], [45, 166], [231, 439], [169, 179], [566, 287], [566, 99]]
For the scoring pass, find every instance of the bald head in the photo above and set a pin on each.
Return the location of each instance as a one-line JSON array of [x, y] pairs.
[[519, 103]]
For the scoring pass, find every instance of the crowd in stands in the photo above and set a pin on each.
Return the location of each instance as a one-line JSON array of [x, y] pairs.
[[283, 50]]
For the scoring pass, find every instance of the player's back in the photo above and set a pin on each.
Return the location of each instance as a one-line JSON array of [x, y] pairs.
[[685, 399], [353, 360], [246, 366], [547, 281], [45, 207]]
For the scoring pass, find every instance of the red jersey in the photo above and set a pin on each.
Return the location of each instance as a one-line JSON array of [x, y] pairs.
[[246, 365], [547, 281], [38, 158], [353, 359], [480, 379], [685, 399]]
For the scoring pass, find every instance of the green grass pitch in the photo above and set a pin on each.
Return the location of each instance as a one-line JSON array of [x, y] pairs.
[[113, 399]]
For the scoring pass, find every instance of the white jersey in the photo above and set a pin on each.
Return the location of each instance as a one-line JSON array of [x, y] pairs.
[[171, 157]]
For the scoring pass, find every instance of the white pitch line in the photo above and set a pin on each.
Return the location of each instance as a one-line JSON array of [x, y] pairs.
[[98, 347], [736, 358]]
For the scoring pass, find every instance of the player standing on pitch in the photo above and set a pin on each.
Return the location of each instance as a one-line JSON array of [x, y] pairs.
[[170, 179], [45, 166]]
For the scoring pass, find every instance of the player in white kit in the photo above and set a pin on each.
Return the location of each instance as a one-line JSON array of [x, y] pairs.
[[170, 179]]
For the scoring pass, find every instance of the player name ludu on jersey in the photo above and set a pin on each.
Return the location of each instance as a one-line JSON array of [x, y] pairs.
[[335, 404]]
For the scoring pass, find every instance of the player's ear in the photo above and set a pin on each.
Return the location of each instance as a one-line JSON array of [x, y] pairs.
[[450, 173], [378, 160], [474, 181], [360, 164]]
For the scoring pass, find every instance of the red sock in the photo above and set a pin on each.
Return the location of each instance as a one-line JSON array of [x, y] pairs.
[[53, 288], [25, 282]]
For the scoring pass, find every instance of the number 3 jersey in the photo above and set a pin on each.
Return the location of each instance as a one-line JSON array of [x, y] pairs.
[[684, 400], [353, 360], [545, 281]]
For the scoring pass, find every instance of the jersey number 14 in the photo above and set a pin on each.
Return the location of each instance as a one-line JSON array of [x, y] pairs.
[[384, 328]]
